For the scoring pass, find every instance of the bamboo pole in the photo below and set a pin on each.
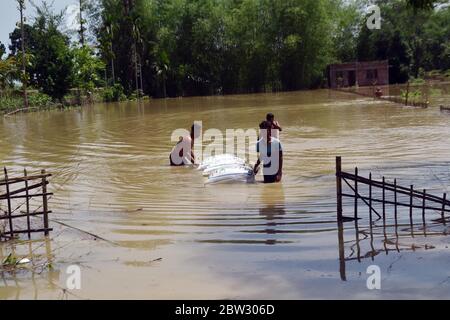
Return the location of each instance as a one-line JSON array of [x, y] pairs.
[[44, 202], [19, 191], [411, 224], [27, 204], [46, 230], [356, 194], [385, 237], [411, 202], [395, 198], [339, 187], [384, 199], [341, 251], [423, 203], [11, 227], [398, 189], [400, 204], [443, 207], [424, 225], [357, 240], [24, 215], [370, 196], [31, 196], [22, 179], [359, 196]]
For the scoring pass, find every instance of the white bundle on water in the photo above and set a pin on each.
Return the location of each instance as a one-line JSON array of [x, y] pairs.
[[226, 168], [220, 159]]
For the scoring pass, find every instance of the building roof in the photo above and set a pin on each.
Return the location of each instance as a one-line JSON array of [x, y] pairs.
[[352, 65]]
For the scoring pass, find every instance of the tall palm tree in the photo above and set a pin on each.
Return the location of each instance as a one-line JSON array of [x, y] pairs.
[[81, 23], [21, 8]]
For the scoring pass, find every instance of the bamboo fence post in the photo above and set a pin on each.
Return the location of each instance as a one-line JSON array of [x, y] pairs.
[[384, 199], [341, 251], [395, 198], [27, 204], [411, 199], [356, 193], [339, 187], [370, 195], [423, 204], [424, 225], [44, 202], [411, 202], [357, 240], [11, 227]]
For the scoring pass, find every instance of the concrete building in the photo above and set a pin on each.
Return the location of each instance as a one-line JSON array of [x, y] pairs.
[[361, 73]]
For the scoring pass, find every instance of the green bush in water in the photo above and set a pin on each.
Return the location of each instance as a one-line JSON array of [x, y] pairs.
[[114, 93], [8, 103], [39, 100]]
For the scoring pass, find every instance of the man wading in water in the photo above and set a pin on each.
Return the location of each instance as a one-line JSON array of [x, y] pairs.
[[270, 153], [183, 153]]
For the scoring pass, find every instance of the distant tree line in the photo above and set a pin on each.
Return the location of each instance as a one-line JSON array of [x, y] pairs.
[[169, 48]]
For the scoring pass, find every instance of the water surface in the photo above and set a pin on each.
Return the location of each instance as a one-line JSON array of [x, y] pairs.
[[175, 237]]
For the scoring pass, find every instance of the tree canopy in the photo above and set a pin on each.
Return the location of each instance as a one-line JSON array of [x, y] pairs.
[[199, 47]]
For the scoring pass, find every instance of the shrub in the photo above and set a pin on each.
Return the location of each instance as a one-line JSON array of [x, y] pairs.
[[114, 93], [39, 100]]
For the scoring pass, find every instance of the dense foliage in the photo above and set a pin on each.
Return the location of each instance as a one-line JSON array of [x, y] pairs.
[[172, 48], [196, 47], [413, 40]]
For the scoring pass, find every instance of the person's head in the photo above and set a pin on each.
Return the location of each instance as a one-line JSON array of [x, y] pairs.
[[196, 130], [270, 117], [266, 127]]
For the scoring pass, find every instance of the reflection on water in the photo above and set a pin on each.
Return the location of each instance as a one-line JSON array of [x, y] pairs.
[[386, 237], [32, 275], [111, 178], [272, 210]]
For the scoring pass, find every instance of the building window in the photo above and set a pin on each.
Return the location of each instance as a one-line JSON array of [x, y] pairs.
[[372, 74]]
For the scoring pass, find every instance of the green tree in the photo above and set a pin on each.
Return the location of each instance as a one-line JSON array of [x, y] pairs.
[[2, 50], [412, 38], [199, 47], [8, 72], [87, 69], [24, 80], [422, 4], [51, 62]]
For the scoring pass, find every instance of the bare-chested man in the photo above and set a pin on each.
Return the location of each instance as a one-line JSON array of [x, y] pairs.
[[183, 153]]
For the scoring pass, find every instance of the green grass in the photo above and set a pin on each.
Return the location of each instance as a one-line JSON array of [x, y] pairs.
[[10, 103], [14, 101]]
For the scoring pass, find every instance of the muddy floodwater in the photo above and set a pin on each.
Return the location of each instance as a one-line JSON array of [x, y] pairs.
[[160, 233]]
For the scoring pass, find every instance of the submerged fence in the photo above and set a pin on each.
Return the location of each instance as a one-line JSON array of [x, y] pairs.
[[15, 194], [353, 181], [384, 200], [359, 242], [410, 102]]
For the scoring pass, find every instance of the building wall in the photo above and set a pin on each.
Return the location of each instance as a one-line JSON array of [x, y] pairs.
[[360, 72]]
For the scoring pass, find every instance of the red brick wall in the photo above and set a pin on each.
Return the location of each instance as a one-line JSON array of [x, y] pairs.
[[361, 69]]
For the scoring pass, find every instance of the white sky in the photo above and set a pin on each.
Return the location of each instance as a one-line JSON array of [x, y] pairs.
[[9, 15]]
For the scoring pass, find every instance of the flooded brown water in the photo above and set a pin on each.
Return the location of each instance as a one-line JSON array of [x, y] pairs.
[[174, 237]]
